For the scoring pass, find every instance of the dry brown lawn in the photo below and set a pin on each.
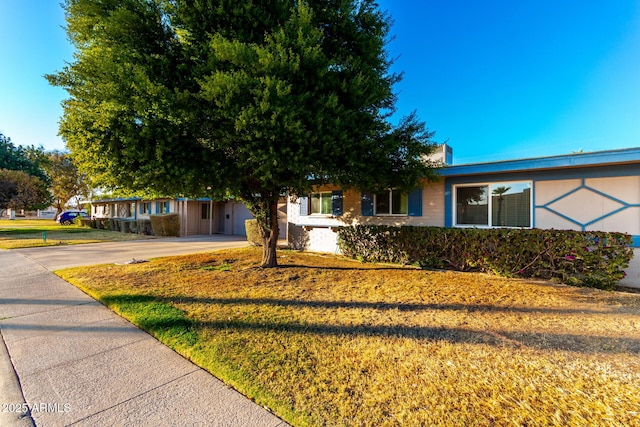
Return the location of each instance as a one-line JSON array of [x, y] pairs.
[[325, 341]]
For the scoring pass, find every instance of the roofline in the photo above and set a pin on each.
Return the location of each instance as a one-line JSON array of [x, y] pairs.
[[595, 158], [115, 199]]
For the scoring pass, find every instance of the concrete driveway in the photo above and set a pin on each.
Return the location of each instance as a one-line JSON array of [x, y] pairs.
[[57, 257]]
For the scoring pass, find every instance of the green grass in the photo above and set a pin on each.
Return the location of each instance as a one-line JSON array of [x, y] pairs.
[[8, 225], [16, 234], [324, 341]]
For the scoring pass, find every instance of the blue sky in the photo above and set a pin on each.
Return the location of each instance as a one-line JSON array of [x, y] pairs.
[[496, 79]]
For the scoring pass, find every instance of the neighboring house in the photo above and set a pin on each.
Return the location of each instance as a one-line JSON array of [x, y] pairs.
[[583, 191], [197, 216]]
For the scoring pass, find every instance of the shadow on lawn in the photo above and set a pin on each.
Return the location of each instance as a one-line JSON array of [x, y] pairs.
[[543, 341], [362, 267], [388, 306]]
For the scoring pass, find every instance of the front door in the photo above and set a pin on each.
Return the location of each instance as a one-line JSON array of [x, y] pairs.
[[205, 226]]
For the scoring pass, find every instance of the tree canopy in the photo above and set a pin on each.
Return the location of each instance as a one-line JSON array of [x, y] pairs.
[[66, 180], [20, 158], [23, 183], [254, 100], [19, 190]]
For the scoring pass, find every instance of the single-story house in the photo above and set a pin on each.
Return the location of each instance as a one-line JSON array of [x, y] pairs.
[[581, 191], [197, 216]]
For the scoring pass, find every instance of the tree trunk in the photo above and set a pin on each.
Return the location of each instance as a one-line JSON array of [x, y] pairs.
[[269, 231], [58, 207]]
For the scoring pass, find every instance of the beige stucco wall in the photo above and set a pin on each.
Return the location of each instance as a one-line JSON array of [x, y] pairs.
[[589, 205], [602, 204]]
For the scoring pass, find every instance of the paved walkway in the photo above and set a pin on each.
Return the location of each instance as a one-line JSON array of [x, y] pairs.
[[74, 362]]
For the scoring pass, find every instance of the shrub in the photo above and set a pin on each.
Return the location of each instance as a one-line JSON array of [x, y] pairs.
[[143, 226], [102, 223], [114, 224], [253, 232], [125, 226], [165, 224], [593, 258]]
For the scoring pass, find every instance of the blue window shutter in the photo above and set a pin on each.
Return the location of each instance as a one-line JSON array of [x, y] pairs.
[[367, 204], [415, 203], [157, 206], [304, 205], [336, 203]]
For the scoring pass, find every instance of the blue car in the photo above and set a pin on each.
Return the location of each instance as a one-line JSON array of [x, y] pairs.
[[67, 217]]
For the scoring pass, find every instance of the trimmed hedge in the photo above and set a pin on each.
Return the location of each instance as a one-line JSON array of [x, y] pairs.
[[143, 226], [114, 224], [137, 226], [592, 258], [165, 224], [125, 225], [253, 232], [102, 223]]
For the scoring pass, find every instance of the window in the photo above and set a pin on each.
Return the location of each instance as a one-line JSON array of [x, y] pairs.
[[502, 204], [205, 212], [321, 203], [145, 207], [391, 202], [163, 207], [126, 210]]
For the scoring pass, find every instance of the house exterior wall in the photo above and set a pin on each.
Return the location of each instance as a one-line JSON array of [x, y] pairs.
[[576, 192], [318, 233], [632, 279], [596, 198], [228, 217], [609, 204], [590, 204]]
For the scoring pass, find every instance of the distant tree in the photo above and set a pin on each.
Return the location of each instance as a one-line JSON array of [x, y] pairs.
[[255, 100], [8, 189], [19, 190], [66, 180], [23, 183], [25, 159]]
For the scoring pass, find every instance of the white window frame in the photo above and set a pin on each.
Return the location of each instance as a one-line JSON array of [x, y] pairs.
[[490, 186], [323, 194], [375, 204]]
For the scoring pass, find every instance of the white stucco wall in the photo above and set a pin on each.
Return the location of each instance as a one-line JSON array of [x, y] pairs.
[[632, 279]]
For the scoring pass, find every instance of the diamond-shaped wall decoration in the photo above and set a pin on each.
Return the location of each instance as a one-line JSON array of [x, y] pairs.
[[585, 205]]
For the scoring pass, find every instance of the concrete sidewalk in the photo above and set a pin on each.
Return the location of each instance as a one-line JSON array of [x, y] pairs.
[[72, 361]]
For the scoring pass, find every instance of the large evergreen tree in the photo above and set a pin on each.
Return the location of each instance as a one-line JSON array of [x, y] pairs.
[[254, 99]]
